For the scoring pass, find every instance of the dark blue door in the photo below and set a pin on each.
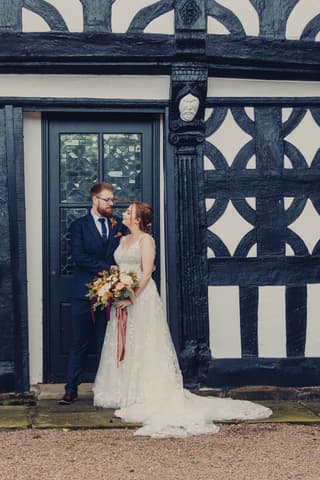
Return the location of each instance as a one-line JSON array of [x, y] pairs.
[[82, 150]]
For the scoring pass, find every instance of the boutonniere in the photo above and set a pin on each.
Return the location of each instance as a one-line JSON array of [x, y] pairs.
[[113, 222], [118, 235]]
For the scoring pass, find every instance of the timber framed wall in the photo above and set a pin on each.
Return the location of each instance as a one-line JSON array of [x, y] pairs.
[[194, 42]]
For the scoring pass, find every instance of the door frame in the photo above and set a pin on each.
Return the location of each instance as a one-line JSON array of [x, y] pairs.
[[144, 114]]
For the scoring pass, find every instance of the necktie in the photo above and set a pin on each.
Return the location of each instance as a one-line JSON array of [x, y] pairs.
[[103, 228]]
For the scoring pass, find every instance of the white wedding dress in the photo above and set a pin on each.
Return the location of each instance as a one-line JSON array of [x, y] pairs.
[[147, 386]]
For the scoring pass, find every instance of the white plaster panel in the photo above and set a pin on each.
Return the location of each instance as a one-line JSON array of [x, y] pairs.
[[244, 11], [207, 113], [85, 86], [307, 226], [231, 87], [31, 22], [123, 12], [33, 187], [231, 227], [252, 163], [313, 321], [287, 162], [207, 164], [306, 137], [216, 28], [272, 322], [229, 138], [285, 114], [70, 10], [304, 11], [224, 322], [163, 24]]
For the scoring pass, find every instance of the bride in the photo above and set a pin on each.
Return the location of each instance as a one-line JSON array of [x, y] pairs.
[[146, 386]]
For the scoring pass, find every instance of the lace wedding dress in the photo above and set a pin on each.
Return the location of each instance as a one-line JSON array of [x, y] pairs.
[[147, 386]]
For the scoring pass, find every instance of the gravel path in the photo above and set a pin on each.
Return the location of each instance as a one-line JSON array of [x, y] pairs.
[[237, 452]]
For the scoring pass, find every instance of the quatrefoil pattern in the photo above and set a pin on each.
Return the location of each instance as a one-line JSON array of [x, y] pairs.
[[262, 171]]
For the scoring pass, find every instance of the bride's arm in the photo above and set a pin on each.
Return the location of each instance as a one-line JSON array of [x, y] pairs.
[[147, 262]]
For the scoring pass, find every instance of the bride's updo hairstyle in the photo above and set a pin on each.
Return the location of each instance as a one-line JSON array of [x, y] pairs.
[[144, 213]]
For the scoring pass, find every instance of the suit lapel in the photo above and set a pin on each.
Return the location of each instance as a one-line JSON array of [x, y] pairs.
[[93, 229]]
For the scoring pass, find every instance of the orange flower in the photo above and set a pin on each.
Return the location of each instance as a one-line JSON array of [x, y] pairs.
[[113, 222], [106, 297], [120, 286]]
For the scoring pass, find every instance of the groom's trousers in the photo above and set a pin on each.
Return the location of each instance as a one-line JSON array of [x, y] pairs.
[[81, 332]]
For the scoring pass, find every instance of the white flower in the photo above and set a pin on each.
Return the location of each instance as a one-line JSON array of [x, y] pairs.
[[104, 289], [126, 279]]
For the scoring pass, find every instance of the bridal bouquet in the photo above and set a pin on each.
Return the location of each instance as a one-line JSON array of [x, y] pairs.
[[112, 286], [109, 288]]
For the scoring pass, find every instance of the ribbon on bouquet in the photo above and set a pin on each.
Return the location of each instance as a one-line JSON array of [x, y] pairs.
[[122, 331], [93, 317]]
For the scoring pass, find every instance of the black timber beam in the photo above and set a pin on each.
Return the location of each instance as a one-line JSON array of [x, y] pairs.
[[256, 57], [237, 184], [297, 371], [60, 52], [271, 270]]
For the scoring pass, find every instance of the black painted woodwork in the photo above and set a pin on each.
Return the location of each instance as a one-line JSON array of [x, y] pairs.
[[48, 12], [296, 320], [264, 271], [189, 56], [11, 15], [97, 15], [273, 16], [60, 52], [269, 182], [14, 367], [226, 17], [249, 300], [191, 267], [147, 14], [190, 17], [298, 371]]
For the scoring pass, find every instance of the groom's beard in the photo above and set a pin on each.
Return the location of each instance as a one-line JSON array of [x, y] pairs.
[[105, 212]]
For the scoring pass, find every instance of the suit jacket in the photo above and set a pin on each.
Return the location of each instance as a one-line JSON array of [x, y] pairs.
[[91, 255]]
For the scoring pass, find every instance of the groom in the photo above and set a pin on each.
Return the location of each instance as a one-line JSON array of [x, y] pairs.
[[94, 239]]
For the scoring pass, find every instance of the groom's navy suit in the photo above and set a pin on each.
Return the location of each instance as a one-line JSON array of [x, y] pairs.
[[91, 254]]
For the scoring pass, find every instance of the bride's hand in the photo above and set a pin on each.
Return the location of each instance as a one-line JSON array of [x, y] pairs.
[[123, 304]]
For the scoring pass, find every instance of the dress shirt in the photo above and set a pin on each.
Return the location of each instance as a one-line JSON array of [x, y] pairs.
[[98, 224]]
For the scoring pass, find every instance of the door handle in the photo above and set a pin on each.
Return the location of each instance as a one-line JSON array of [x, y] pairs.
[[54, 273]]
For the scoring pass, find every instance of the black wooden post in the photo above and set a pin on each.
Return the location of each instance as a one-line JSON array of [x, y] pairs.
[[189, 87], [14, 368], [97, 15], [11, 15], [191, 244]]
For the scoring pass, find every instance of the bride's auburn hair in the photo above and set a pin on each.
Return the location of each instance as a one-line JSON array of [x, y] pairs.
[[144, 213]]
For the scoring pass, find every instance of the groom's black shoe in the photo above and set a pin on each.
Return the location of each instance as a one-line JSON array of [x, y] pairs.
[[68, 398]]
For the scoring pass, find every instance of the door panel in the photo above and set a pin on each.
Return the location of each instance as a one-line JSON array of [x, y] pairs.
[[82, 151]]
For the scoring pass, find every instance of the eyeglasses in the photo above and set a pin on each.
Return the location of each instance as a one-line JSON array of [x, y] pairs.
[[107, 200]]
